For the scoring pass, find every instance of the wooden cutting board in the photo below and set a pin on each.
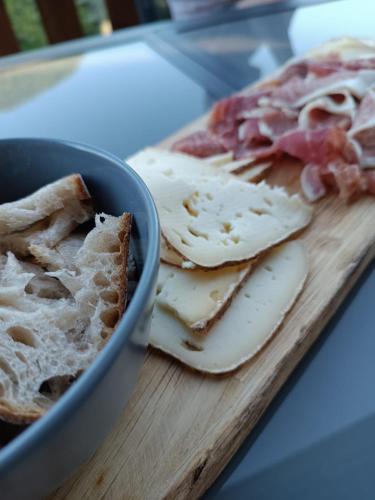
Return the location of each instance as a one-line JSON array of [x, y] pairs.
[[181, 428]]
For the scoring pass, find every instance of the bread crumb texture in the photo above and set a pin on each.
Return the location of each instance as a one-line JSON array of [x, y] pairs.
[[61, 296]]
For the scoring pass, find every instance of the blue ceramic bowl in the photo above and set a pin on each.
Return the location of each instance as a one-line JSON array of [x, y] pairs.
[[46, 453]]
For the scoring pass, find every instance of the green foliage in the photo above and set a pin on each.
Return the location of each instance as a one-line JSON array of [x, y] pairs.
[[26, 22], [29, 30], [91, 13]]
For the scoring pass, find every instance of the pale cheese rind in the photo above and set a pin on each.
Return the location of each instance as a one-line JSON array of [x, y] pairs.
[[198, 298], [254, 316], [255, 173], [245, 169], [169, 256]]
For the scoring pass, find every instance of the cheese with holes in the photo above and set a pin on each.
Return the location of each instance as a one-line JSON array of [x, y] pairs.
[[199, 298], [255, 314], [171, 164], [169, 256], [214, 222]]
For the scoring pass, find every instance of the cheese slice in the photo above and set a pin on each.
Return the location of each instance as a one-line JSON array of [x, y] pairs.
[[255, 314], [215, 222], [170, 164], [199, 298], [169, 256], [244, 169], [226, 162], [255, 173]]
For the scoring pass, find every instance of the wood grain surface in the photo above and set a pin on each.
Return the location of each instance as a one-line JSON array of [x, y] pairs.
[[181, 428]]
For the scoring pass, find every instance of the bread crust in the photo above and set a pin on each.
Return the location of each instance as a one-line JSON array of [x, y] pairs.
[[17, 417], [80, 187], [124, 237]]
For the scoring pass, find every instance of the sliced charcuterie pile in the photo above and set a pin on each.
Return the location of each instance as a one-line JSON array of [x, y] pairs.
[[229, 273], [320, 110]]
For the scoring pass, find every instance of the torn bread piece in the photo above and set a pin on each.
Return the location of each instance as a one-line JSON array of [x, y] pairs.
[[254, 316], [49, 231], [37, 363], [61, 256], [20, 214], [99, 285], [199, 298], [214, 222]]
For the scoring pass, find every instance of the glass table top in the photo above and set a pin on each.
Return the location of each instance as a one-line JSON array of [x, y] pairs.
[[120, 98], [243, 50], [317, 438]]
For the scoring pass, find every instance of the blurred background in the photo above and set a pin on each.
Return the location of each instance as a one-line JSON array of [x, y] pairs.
[[31, 24], [31, 20]]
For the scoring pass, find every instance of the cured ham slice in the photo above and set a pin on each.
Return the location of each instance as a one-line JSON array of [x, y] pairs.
[[337, 110], [349, 179], [227, 112], [326, 66], [331, 162], [201, 144], [363, 129], [319, 146], [298, 91], [312, 184], [249, 131], [359, 64], [266, 123], [369, 176], [276, 122], [309, 67]]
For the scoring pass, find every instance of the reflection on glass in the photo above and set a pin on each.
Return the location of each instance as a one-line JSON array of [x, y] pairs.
[[18, 85]]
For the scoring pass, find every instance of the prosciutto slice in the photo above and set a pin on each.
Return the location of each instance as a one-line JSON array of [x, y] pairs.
[[298, 91], [276, 122], [201, 144], [307, 67], [320, 146], [337, 110], [325, 66], [363, 129], [227, 112], [312, 183], [331, 161], [267, 123], [349, 179], [369, 176]]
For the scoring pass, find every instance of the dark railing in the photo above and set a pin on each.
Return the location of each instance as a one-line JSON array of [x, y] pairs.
[[61, 22]]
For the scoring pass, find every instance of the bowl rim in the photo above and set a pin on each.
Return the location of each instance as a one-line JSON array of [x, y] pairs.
[[83, 387]]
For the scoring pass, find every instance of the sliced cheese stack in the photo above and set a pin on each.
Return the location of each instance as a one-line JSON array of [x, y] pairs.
[[221, 291], [199, 298], [254, 315]]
